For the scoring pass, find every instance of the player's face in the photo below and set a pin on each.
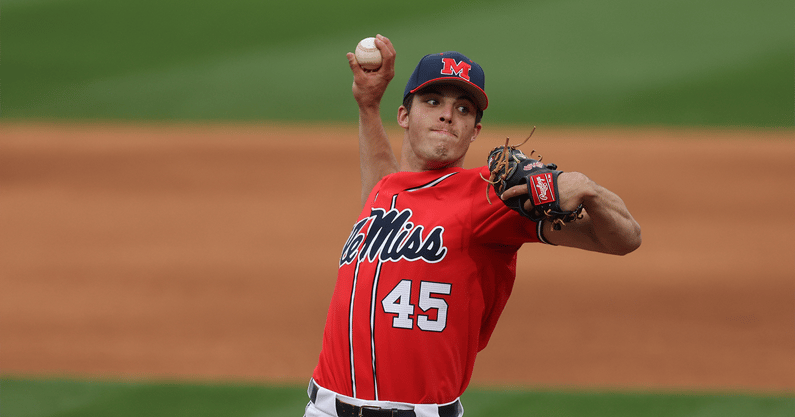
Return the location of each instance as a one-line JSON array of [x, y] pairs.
[[439, 128]]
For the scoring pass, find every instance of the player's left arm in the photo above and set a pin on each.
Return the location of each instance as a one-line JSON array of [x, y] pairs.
[[606, 225]]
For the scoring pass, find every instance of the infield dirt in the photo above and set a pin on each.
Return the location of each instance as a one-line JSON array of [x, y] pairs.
[[209, 252]]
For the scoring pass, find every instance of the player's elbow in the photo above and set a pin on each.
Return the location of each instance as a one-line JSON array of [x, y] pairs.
[[629, 242]]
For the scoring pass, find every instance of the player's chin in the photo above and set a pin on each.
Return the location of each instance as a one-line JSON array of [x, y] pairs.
[[441, 152], [444, 157]]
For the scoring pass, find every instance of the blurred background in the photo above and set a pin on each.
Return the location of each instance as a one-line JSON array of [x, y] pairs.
[[177, 177], [691, 63]]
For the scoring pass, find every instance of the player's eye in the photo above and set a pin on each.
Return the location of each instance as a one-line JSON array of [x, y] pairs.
[[464, 109], [432, 101]]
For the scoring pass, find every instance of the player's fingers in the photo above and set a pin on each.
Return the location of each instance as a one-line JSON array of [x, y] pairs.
[[353, 63], [514, 191], [384, 46], [388, 54]]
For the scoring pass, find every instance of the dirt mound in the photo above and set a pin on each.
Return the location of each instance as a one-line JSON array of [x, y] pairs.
[[206, 252]]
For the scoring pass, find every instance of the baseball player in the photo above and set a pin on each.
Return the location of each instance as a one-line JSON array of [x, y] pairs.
[[428, 266]]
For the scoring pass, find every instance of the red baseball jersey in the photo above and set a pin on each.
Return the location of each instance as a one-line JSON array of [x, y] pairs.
[[423, 278]]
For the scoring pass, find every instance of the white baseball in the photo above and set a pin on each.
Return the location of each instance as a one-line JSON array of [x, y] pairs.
[[367, 54]]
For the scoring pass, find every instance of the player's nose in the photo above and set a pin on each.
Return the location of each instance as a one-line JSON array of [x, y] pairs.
[[447, 113]]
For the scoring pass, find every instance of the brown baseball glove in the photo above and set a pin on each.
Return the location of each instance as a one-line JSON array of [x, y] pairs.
[[511, 167]]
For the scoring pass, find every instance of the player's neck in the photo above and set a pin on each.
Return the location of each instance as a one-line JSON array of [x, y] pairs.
[[424, 166]]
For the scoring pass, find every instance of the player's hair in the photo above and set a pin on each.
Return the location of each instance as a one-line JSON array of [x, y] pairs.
[[410, 99]]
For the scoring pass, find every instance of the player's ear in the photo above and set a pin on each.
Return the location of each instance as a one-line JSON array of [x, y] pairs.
[[403, 117], [476, 132]]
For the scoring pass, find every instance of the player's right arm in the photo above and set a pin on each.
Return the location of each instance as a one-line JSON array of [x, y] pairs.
[[376, 157]]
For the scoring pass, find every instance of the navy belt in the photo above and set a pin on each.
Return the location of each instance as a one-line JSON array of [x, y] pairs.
[[349, 410]]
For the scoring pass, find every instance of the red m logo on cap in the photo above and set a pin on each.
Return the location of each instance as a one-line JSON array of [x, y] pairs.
[[460, 69]]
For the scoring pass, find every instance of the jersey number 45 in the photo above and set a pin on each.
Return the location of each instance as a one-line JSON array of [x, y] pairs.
[[398, 302]]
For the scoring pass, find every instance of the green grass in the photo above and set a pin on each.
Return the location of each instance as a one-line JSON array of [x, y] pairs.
[[679, 62], [65, 398], [623, 404], [60, 397]]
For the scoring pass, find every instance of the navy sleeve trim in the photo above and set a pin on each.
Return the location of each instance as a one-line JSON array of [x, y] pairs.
[[540, 232]]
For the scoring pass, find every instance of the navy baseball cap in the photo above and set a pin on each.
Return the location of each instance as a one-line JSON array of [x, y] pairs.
[[450, 67]]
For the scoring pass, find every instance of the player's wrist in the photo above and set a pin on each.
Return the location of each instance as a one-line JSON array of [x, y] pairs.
[[370, 111]]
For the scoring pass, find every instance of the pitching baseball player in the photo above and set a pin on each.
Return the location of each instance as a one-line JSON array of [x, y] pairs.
[[429, 265]]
